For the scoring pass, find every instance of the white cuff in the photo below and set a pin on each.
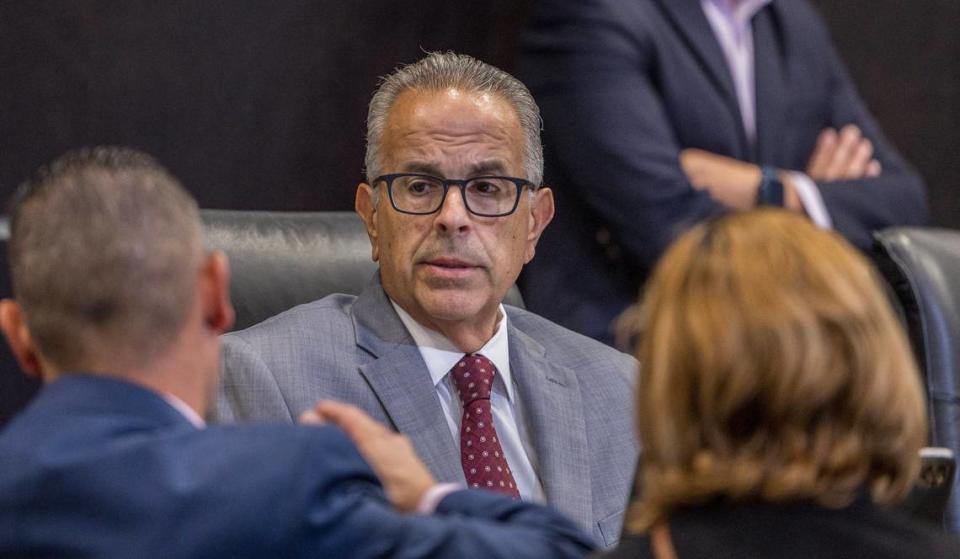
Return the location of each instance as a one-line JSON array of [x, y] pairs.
[[433, 496], [811, 199]]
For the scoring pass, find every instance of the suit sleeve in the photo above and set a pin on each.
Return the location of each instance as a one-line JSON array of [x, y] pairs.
[[608, 135], [345, 514], [859, 207]]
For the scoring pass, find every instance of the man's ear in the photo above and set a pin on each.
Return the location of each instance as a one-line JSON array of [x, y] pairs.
[[19, 339], [215, 292], [366, 207], [541, 213]]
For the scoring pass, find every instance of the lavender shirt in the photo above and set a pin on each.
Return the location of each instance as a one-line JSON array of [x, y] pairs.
[[731, 23]]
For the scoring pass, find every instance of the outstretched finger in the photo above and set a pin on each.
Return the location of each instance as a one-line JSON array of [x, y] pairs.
[[358, 425], [311, 417]]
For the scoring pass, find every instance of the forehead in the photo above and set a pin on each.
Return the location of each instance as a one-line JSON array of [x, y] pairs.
[[452, 132]]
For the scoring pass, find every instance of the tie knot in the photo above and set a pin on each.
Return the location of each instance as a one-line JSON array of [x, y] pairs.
[[473, 377]]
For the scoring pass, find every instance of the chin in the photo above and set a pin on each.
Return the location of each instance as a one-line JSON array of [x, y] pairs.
[[453, 305]]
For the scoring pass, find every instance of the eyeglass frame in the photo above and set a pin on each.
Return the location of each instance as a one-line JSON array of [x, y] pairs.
[[447, 183]]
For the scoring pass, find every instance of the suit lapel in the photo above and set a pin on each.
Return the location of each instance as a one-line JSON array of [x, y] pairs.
[[552, 407], [693, 27], [400, 380], [770, 71]]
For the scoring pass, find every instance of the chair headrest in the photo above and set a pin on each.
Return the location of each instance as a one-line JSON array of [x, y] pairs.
[[282, 259]]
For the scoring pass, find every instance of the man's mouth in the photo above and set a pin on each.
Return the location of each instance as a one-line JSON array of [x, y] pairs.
[[446, 268], [451, 263]]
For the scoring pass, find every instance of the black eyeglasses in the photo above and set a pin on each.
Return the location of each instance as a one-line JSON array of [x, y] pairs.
[[417, 194]]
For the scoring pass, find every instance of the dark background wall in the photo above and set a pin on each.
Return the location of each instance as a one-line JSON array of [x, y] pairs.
[[260, 104], [255, 104], [905, 57]]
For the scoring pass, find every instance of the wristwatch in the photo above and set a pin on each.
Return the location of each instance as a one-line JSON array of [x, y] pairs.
[[770, 191]]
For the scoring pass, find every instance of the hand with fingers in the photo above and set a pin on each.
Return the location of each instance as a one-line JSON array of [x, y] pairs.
[[843, 155], [404, 476]]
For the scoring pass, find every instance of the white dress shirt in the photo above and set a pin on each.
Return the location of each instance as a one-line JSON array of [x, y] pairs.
[[731, 24], [186, 411], [440, 355]]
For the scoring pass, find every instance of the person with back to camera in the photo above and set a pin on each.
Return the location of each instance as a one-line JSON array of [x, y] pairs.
[[779, 408]]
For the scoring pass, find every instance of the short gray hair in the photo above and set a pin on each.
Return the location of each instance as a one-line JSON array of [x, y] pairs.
[[440, 71], [105, 246]]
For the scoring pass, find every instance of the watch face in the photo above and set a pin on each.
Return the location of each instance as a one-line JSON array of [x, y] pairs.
[[775, 196], [770, 192]]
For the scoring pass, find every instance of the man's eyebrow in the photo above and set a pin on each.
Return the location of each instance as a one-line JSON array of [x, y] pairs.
[[422, 167], [489, 167]]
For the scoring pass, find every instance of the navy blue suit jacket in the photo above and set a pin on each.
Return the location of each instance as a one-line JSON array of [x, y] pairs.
[[624, 86], [96, 467]]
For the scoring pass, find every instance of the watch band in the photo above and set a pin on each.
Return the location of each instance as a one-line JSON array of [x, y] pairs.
[[770, 191]]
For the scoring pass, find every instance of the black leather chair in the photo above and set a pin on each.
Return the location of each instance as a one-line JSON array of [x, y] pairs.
[[922, 267], [282, 259]]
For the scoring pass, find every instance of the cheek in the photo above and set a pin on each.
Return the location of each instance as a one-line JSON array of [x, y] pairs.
[[511, 247], [401, 246]]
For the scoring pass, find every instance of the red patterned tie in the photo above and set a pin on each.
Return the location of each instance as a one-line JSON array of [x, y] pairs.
[[481, 455]]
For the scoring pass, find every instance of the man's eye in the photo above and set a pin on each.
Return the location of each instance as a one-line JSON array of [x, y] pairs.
[[486, 188], [420, 187]]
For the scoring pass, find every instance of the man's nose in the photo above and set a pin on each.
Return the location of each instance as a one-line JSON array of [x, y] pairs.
[[453, 214]]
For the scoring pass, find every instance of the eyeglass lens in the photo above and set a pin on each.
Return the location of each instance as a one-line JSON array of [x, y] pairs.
[[483, 195]]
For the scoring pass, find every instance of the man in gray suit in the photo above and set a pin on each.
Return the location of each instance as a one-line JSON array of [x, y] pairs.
[[491, 396]]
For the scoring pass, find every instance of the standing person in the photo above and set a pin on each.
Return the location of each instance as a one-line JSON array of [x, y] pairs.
[[490, 395], [662, 113], [120, 310], [779, 406]]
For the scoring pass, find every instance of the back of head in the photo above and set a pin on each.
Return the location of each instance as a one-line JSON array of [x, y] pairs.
[[773, 369], [104, 248]]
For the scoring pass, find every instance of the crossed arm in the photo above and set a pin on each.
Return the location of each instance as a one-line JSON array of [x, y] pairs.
[[597, 70], [838, 155]]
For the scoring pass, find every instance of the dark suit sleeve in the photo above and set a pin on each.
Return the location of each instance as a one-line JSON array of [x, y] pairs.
[[607, 133], [345, 514], [859, 207]]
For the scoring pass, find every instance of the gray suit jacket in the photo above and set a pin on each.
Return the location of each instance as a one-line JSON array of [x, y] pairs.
[[577, 393]]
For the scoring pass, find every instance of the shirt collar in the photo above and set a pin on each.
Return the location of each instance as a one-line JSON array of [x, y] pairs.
[[186, 411], [440, 355]]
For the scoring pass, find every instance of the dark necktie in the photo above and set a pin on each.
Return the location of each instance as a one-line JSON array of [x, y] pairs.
[[481, 455]]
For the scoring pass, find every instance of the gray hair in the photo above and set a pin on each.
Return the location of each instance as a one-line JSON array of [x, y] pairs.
[[105, 245], [440, 71]]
